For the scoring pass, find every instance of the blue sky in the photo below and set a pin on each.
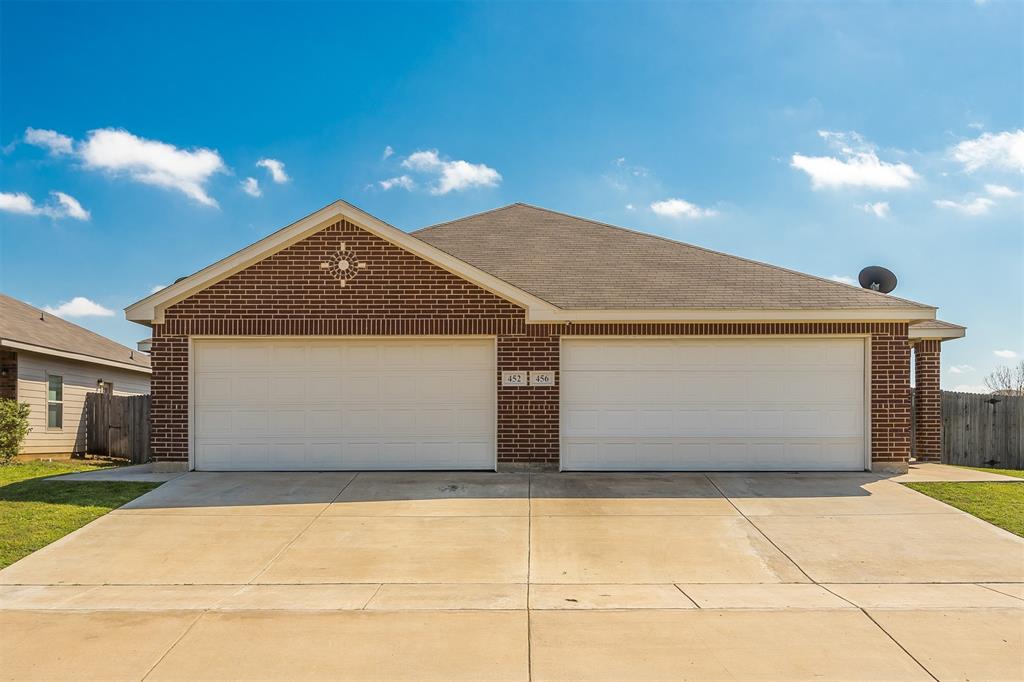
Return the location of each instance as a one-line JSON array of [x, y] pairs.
[[820, 137]]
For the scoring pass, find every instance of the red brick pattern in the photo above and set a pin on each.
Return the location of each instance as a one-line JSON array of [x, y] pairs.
[[8, 374], [927, 401], [291, 285], [528, 430], [890, 394], [401, 294]]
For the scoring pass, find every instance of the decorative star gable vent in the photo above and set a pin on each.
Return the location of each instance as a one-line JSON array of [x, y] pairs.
[[344, 265]]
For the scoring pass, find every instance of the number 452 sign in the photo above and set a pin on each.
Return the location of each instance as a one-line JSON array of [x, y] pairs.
[[513, 378]]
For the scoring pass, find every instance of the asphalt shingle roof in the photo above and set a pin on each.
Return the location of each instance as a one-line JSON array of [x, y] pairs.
[[576, 263], [21, 322]]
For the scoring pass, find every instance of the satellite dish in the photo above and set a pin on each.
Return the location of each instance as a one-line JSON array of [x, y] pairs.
[[877, 278]]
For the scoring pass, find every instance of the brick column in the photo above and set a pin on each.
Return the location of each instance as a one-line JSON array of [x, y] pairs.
[[890, 398], [528, 433], [927, 401]]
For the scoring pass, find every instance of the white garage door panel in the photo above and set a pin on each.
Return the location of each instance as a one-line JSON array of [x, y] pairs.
[[343, 404], [715, 404]]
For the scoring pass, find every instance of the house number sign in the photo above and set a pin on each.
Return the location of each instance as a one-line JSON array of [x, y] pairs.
[[527, 378], [542, 378], [513, 378]]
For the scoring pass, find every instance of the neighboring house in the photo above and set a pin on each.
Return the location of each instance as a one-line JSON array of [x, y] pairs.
[[52, 364], [525, 338]]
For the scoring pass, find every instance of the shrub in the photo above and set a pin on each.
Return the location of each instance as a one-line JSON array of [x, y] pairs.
[[13, 428]]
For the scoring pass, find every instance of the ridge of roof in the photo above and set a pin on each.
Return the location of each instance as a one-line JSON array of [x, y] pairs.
[[17, 325], [674, 242], [483, 213]]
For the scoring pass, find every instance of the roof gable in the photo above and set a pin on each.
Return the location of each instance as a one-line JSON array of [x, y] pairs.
[[150, 310], [383, 282], [581, 264]]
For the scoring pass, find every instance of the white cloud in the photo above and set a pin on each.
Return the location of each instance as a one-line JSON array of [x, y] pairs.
[[152, 162], [857, 165], [974, 207], [17, 202], [69, 207], [451, 175], [975, 125], [630, 207], [1005, 354], [844, 280], [276, 169], [79, 306], [624, 175], [971, 388], [860, 170], [157, 288], [960, 369], [633, 169], [879, 209], [62, 206], [403, 181], [50, 140], [680, 208], [388, 151], [1003, 151], [251, 186], [1001, 191]]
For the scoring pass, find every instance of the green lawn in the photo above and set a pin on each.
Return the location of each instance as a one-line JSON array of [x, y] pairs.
[[1016, 473], [35, 512], [999, 503]]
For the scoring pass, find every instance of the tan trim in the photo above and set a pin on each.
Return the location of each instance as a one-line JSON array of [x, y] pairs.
[[42, 350], [150, 309], [940, 334], [734, 315]]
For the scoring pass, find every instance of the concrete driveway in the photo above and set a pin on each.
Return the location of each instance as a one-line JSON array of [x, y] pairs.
[[515, 576]]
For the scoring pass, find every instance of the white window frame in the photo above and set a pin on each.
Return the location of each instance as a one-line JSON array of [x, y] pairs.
[[49, 402]]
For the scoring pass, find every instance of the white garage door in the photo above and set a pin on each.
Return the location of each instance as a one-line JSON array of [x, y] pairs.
[[343, 404], [713, 404]]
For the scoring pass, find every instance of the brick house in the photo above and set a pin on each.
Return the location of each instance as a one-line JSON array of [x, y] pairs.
[[526, 338]]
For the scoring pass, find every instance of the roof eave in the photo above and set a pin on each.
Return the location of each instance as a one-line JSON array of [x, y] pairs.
[[78, 357], [937, 334], [879, 314]]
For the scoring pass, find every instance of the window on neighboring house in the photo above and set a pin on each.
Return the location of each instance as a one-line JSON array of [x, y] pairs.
[[54, 402]]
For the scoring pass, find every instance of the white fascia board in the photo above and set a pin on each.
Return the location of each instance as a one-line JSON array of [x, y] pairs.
[[79, 357], [735, 315], [940, 334], [150, 309]]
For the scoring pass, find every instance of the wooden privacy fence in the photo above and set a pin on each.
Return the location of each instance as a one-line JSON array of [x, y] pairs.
[[118, 426], [982, 430]]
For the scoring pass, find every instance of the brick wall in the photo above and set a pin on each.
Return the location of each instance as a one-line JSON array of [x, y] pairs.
[[528, 415], [8, 374], [927, 401], [890, 394], [400, 294]]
